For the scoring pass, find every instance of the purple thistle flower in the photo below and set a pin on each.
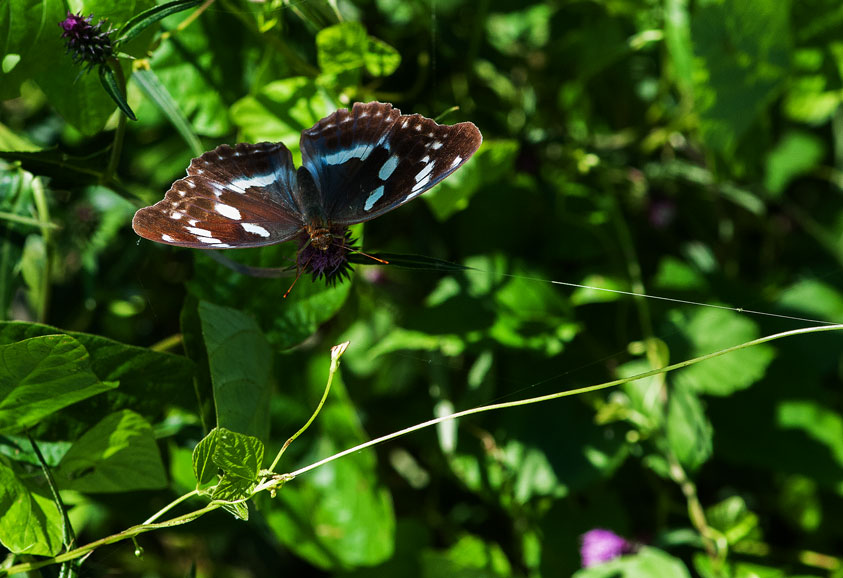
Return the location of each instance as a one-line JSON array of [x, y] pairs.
[[600, 546], [331, 262], [86, 42]]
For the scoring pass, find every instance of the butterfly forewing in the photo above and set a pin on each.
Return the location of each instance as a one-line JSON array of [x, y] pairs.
[[370, 160], [238, 196]]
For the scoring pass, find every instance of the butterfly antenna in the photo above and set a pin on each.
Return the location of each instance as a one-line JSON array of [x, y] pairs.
[[298, 274], [353, 250]]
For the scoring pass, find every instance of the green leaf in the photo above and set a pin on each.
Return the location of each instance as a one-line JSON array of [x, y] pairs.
[[204, 468], [234, 489], [284, 322], [689, 433], [240, 361], [742, 55], [647, 563], [158, 93], [469, 557], [381, 59], [238, 455], [819, 423], [710, 330], [141, 21], [12, 141], [520, 32], [493, 162], [119, 454], [30, 28], [796, 154], [114, 90], [341, 47], [677, 38], [150, 381], [732, 518], [30, 522], [42, 375], [203, 74], [280, 110]]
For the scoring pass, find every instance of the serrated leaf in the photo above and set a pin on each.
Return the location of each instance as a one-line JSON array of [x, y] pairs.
[[710, 330], [240, 360], [233, 489], [381, 59], [742, 57], [42, 375], [341, 47], [238, 455], [281, 110], [689, 433], [119, 454], [204, 468]]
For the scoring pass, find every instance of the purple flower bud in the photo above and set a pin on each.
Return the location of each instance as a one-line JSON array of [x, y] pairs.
[[86, 42], [330, 262], [600, 546]]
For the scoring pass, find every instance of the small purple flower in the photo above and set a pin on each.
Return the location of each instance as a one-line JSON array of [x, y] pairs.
[[330, 262], [86, 42], [600, 546]]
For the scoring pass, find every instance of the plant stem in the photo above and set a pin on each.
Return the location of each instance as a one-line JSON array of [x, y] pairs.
[[117, 144], [567, 393], [277, 481], [68, 535], [336, 353], [40, 197], [715, 544]]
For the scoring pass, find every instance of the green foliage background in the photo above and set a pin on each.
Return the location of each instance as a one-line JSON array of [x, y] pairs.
[[689, 150]]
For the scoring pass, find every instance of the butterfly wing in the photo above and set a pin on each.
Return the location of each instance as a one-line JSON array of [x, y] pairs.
[[371, 159], [239, 196]]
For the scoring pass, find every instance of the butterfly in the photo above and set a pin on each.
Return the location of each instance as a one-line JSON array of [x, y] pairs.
[[356, 165]]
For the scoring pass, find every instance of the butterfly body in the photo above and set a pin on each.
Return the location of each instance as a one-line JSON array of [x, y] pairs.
[[356, 165]]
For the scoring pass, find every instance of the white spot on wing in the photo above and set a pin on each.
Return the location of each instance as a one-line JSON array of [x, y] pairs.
[[192, 222], [255, 229], [457, 161], [175, 215], [419, 185], [373, 198], [227, 211], [244, 183], [425, 172], [388, 168], [208, 240], [436, 145], [199, 232], [426, 158], [167, 238]]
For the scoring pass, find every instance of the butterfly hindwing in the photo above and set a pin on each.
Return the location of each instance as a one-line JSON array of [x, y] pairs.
[[238, 196], [371, 159]]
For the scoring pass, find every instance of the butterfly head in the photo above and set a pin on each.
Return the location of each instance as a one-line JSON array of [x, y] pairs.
[[324, 252]]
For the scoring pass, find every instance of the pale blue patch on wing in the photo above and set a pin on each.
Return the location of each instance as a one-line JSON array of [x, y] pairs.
[[388, 167], [373, 198], [360, 151]]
